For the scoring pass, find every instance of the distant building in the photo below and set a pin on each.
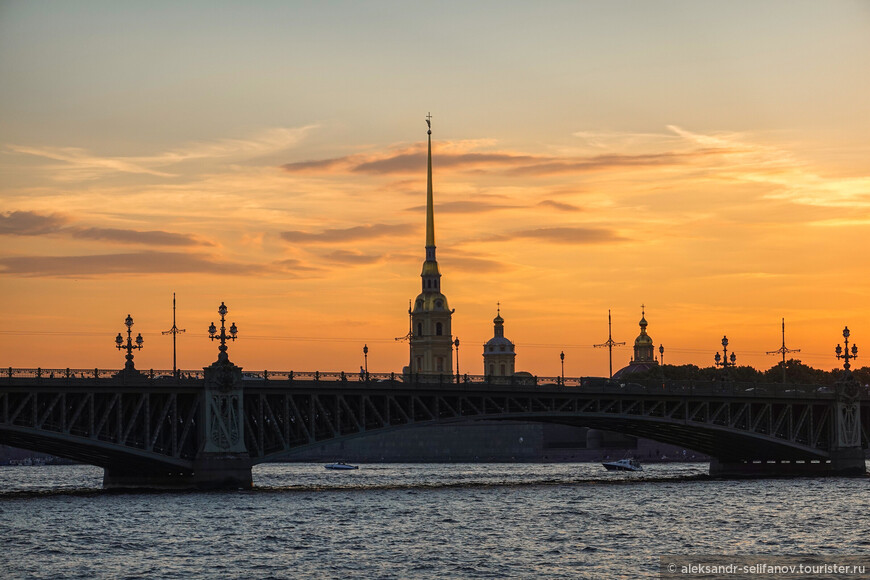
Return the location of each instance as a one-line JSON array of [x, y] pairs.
[[644, 352], [498, 353], [430, 337]]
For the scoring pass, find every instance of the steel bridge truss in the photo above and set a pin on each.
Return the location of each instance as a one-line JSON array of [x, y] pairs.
[[145, 425], [104, 426], [279, 421]]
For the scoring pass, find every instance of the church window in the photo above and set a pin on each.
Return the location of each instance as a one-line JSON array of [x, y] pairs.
[[439, 363], [491, 368], [419, 329], [439, 303], [419, 364], [501, 348], [439, 329], [501, 369]]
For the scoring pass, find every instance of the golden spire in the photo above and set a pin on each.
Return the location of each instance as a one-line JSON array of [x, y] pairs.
[[430, 209], [430, 272]]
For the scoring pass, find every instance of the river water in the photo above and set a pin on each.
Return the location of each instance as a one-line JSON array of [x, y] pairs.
[[419, 521]]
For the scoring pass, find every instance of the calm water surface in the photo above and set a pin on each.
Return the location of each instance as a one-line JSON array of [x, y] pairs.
[[418, 521]]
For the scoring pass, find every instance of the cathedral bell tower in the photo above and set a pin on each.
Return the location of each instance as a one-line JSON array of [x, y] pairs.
[[430, 337], [499, 353], [644, 353]]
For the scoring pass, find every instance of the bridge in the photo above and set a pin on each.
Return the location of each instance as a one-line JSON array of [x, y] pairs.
[[206, 429]]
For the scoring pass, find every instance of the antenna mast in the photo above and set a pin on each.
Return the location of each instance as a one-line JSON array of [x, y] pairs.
[[783, 351], [610, 344], [173, 331]]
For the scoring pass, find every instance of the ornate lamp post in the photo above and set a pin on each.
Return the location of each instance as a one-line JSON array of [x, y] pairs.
[[223, 358], [366, 357], [456, 344], [562, 359], [662, 362], [119, 342], [723, 360], [845, 353]]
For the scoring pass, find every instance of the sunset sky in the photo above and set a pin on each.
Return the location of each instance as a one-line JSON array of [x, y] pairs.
[[710, 160]]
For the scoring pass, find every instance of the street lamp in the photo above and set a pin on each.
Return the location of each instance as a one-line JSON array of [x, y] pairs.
[[366, 355], [119, 342], [562, 358], [662, 362], [223, 336], [844, 353], [456, 344], [723, 360]]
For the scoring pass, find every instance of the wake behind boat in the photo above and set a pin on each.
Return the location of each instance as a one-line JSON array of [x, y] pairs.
[[628, 464], [340, 465]]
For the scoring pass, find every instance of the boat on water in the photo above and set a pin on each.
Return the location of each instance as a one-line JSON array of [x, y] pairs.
[[627, 464], [340, 465]]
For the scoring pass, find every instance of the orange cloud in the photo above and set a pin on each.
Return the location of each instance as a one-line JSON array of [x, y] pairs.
[[452, 156], [465, 206], [133, 263], [352, 234], [28, 223], [558, 205], [565, 235]]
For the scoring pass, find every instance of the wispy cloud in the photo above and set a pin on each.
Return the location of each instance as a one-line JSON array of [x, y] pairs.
[[351, 257], [474, 265], [779, 171], [456, 156], [132, 263], [28, 223], [558, 205], [78, 159], [568, 235], [465, 207], [296, 265], [78, 163], [352, 234], [151, 238]]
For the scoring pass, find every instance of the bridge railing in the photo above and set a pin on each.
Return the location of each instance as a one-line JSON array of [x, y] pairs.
[[596, 384]]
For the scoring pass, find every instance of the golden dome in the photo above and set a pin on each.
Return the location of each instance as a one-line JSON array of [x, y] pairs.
[[431, 302]]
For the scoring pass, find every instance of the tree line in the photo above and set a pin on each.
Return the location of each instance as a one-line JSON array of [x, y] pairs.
[[796, 372]]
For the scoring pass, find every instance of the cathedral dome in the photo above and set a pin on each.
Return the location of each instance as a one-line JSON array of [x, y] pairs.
[[644, 338], [499, 341], [431, 302]]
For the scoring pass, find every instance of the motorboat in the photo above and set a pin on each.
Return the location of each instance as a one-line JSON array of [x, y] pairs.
[[340, 465], [627, 464]]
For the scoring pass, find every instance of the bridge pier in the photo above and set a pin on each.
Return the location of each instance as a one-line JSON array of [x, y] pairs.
[[222, 475], [847, 462]]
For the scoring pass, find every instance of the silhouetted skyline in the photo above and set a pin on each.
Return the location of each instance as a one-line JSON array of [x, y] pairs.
[[708, 161]]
